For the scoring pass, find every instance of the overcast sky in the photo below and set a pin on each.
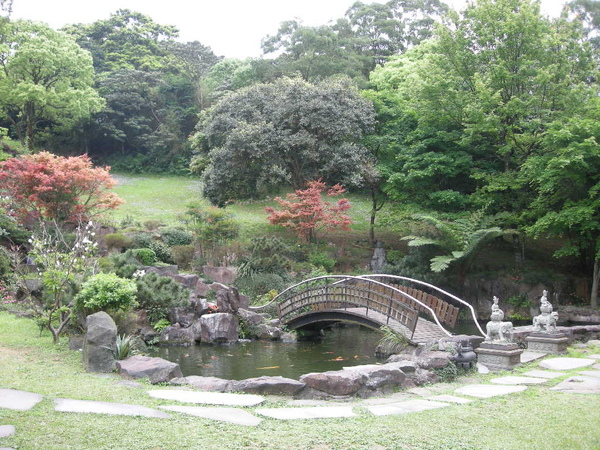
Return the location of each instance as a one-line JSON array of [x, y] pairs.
[[232, 28]]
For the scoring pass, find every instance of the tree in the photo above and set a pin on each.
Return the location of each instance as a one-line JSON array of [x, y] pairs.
[[286, 132], [306, 214], [57, 188], [566, 181], [46, 80]]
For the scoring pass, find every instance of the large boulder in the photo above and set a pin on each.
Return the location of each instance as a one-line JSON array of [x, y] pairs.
[[219, 327], [213, 384], [379, 377], [163, 271], [183, 315], [176, 335], [250, 316], [425, 360], [335, 383], [267, 386], [100, 343], [187, 280], [230, 300], [157, 370], [268, 333], [224, 275]]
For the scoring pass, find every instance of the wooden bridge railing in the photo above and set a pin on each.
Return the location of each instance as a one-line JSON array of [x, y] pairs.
[[336, 294]]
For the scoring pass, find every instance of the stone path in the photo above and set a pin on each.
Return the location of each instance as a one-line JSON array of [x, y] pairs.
[[226, 407]]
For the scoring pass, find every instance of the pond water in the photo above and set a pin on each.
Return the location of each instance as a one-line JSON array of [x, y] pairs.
[[340, 346]]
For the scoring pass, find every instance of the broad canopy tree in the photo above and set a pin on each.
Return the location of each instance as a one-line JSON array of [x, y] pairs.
[[46, 80], [284, 133]]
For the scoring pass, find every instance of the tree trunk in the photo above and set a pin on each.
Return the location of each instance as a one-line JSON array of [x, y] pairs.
[[595, 280]]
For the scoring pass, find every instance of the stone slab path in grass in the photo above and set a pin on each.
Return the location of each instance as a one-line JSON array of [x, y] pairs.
[[226, 407]]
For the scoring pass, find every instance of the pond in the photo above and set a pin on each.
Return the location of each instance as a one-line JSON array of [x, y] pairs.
[[339, 347]]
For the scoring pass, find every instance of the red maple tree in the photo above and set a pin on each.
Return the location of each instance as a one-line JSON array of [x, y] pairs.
[[66, 189], [306, 213]]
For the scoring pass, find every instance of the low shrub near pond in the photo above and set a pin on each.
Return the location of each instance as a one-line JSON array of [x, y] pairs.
[[106, 292], [156, 294]]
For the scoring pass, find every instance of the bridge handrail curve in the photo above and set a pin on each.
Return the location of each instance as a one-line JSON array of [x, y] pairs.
[[412, 280], [361, 277]]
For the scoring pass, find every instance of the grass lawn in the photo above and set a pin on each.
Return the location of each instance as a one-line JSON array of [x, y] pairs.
[[536, 418]]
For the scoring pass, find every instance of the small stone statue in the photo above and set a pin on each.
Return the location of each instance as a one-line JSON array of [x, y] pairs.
[[496, 329], [546, 321]]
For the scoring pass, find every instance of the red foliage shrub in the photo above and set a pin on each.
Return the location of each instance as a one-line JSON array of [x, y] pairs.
[[305, 212], [54, 187]]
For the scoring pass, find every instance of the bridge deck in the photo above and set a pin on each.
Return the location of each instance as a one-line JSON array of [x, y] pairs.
[[424, 331]]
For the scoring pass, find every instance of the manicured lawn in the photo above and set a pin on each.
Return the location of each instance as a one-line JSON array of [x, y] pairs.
[[536, 418]]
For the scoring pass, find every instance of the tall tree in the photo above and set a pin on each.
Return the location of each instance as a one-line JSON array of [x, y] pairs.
[[46, 80], [286, 132]]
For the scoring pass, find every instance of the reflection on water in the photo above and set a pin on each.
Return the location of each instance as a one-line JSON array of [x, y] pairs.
[[341, 346]]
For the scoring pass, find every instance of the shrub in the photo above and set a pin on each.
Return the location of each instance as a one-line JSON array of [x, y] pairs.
[[126, 346], [117, 241], [162, 252], [161, 325], [175, 236], [267, 255], [106, 292], [392, 341], [6, 270], [145, 256], [260, 284], [152, 225], [183, 255], [322, 259], [141, 240], [125, 264], [212, 225], [156, 294]]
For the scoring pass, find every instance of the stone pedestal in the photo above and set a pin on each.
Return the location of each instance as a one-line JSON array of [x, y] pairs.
[[499, 356], [547, 342]]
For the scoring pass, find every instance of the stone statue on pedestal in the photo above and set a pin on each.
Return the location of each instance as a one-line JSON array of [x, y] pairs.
[[496, 329], [546, 321]]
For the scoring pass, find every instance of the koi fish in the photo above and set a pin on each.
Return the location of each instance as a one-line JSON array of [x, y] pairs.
[[265, 368]]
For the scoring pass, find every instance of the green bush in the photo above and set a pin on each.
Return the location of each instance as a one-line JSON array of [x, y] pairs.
[[212, 225], [183, 255], [6, 270], [145, 256], [106, 292], [117, 241], [260, 284], [267, 255], [156, 294], [141, 240], [322, 259], [162, 252], [125, 264], [175, 236]]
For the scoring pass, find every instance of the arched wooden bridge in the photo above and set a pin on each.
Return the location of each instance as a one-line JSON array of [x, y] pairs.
[[418, 310]]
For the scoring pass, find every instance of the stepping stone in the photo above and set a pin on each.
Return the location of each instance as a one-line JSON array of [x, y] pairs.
[[528, 356], [450, 399], [208, 398], [231, 415], [324, 412], [6, 430], [579, 385], [419, 391], [566, 363], [405, 407], [488, 390], [544, 374], [590, 373], [593, 356], [513, 380], [596, 366], [115, 409], [18, 400]]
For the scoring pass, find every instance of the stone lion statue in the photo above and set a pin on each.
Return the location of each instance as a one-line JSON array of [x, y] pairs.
[[546, 321]]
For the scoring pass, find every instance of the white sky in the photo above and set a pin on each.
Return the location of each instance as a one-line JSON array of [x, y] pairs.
[[232, 28]]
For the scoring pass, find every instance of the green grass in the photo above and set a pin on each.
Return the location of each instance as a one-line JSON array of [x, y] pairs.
[[163, 198], [536, 418]]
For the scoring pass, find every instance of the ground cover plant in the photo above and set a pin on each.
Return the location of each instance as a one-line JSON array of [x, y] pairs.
[[522, 420]]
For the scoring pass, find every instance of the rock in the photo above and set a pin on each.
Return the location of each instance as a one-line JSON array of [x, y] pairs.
[[183, 315], [378, 261], [269, 333], [148, 334], [223, 302], [164, 271], [267, 386], [230, 300], [224, 275], [425, 360], [378, 377], [157, 370], [249, 316], [196, 330], [100, 343], [176, 335], [201, 306], [336, 383], [201, 288], [219, 327], [211, 384], [289, 337], [187, 280]]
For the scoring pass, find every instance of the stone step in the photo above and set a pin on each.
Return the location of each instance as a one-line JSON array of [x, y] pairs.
[[409, 406], [488, 390], [208, 398], [231, 415], [18, 400], [566, 363], [95, 407], [317, 412], [514, 380]]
